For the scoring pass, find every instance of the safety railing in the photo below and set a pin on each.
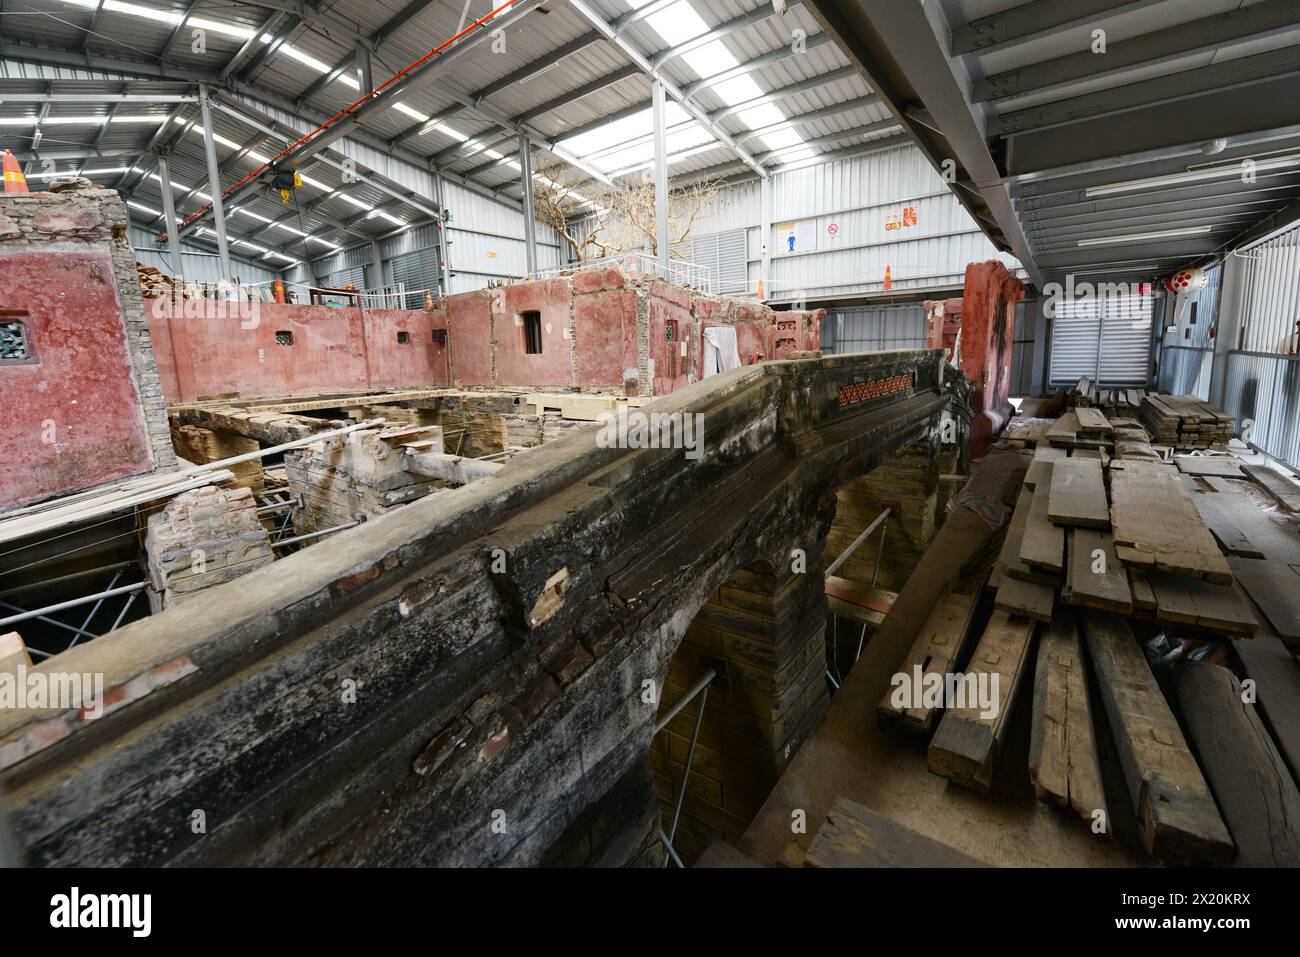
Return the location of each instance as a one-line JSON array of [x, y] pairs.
[[701, 689], [676, 271], [881, 522]]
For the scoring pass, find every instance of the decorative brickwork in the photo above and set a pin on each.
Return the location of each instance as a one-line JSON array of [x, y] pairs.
[[877, 389]]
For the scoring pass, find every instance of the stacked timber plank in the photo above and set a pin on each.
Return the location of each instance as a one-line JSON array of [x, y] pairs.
[[1186, 422], [1105, 565]]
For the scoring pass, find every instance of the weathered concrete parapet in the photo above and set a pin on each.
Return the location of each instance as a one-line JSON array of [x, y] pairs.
[[379, 697]]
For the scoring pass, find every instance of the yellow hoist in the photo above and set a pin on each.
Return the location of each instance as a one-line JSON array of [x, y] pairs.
[[286, 183]]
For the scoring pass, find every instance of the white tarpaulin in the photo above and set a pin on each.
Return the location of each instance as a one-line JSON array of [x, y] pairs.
[[720, 350]]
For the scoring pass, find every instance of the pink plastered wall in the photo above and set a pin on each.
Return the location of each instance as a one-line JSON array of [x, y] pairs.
[[208, 349], [591, 327], [71, 415]]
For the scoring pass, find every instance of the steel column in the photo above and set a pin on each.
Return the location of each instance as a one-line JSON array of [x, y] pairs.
[[214, 183], [765, 239], [661, 172], [530, 209], [169, 214]]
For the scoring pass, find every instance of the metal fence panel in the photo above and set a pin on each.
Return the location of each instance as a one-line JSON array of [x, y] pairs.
[[1262, 391]]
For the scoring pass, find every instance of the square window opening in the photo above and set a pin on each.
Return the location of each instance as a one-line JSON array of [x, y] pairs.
[[532, 332], [283, 337], [14, 344], [403, 338]]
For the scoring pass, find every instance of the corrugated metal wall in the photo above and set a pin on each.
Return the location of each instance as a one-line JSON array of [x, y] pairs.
[[1262, 381], [1271, 295], [1022, 348], [852, 201], [1262, 391], [875, 326], [199, 264], [1186, 346], [487, 241]]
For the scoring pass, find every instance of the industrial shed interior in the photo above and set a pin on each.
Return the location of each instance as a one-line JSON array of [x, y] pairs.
[[660, 433]]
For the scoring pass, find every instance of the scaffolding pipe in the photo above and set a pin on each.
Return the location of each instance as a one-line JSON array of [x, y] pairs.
[[311, 535], [866, 532], [71, 603]]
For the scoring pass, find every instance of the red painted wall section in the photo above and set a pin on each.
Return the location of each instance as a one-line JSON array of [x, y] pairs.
[[71, 417], [590, 323], [988, 312], [671, 306], [550, 299], [417, 361], [468, 318], [604, 329]]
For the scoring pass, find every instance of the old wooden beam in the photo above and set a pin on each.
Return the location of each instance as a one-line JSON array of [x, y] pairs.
[[965, 749], [1062, 745], [1174, 806], [1254, 788]]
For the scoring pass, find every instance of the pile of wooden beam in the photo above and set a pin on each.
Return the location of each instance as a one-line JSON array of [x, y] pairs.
[[1124, 402], [1108, 549], [1186, 422]]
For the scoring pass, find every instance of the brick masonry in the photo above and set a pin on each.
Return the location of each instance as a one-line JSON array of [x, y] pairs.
[[763, 632], [83, 215], [353, 477]]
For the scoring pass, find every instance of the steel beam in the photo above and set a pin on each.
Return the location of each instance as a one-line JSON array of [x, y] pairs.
[[1030, 21], [1155, 91], [657, 96], [835, 109], [235, 62], [169, 216], [757, 15], [1238, 110], [899, 50], [214, 184], [308, 13], [1160, 46]]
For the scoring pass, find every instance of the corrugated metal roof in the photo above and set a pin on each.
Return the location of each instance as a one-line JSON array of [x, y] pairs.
[[314, 46], [1125, 201]]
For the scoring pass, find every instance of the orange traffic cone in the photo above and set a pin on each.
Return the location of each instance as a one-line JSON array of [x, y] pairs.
[[888, 284], [14, 180]]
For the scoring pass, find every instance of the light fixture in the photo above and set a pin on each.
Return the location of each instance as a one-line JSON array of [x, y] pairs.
[[1174, 179], [1139, 237]]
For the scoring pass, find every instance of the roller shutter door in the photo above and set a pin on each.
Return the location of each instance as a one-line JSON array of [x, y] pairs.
[[725, 254], [1107, 339]]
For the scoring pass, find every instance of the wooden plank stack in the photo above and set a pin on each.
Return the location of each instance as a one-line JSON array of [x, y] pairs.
[[1186, 422], [1117, 551]]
